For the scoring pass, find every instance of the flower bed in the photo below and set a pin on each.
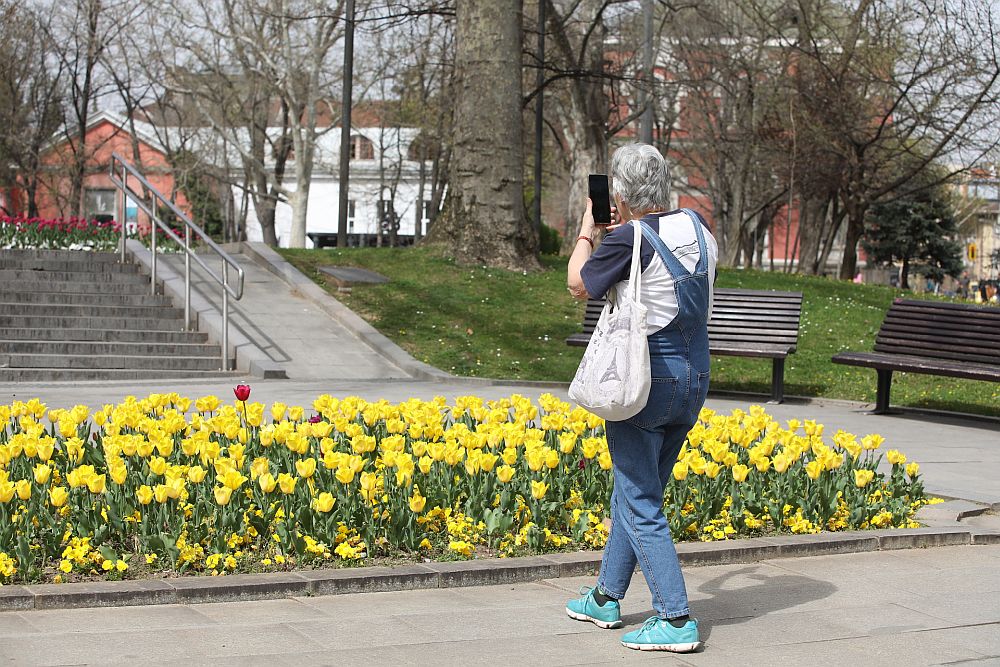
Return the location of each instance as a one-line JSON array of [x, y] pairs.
[[59, 234], [174, 484]]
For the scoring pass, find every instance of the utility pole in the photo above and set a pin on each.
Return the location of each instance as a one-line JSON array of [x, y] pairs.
[[345, 126], [645, 96], [539, 117]]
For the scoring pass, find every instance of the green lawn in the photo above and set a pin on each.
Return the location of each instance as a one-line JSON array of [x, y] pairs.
[[474, 321]]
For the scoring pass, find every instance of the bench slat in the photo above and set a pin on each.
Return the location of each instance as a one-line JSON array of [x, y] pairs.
[[917, 364], [934, 343]]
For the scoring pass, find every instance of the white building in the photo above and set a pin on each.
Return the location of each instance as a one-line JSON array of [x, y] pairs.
[[384, 186]]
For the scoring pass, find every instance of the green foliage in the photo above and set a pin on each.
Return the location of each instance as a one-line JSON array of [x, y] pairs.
[[549, 241], [919, 232], [501, 324]]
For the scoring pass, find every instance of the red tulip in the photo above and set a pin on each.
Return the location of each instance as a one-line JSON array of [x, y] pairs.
[[242, 392]]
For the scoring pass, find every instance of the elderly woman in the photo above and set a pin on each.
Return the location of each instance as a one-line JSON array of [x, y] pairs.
[[676, 288]]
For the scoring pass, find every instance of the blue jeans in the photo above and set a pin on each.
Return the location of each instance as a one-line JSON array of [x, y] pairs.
[[643, 452]]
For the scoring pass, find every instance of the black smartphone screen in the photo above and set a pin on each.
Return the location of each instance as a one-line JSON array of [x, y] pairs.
[[601, 197]]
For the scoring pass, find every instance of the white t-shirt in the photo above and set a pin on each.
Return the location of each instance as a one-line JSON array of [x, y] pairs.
[[610, 264]]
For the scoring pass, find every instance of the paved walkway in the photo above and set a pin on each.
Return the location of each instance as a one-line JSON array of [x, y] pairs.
[[919, 607], [934, 606]]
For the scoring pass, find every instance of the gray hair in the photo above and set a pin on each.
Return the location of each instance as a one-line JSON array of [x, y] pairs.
[[640, 176]]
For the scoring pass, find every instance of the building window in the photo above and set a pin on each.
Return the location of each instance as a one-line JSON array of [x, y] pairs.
[[99, 204], [350, 215], [362, 148]]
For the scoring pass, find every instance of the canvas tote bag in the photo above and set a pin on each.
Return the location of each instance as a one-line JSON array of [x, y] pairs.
[[613, 378]]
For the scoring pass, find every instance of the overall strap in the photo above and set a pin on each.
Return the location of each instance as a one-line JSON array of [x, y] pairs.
[[673, 264], [702, 266]]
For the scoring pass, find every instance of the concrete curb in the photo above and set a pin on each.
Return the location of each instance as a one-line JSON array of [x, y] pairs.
[[267, 258], [249, 358], [485, 572]]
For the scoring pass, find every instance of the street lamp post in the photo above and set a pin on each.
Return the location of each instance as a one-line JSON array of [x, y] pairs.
[[345, 125]]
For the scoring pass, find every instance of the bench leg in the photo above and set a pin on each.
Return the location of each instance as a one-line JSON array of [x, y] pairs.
[[777, 381], [882, 392]]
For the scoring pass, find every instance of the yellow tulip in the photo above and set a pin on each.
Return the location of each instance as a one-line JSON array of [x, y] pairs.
[[324, 503], [96, 483], [119, 473], [144, 494], [895, 457], [157, 465], [306, 467], [223, 494], [740, 472], [425, 464], [344, 475], [232, 479], [912, 469], [42, 473], [538, 489], [813, 469], [46, 447], [23, 487], [287, 483], [369, 486], [196, 474], [259, 466], [278, 411], [267, 482], [58, 496], [551, 458], [604, 459], [160, 493], [505, 473], [680, 471], [863, 477], [712, 469], [417, 502]]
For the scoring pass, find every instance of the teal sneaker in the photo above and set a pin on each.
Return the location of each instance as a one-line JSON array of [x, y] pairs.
[[587, 609], [657, 634]]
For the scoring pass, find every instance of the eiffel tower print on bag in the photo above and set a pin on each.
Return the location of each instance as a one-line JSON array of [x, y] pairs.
[[613, 378]]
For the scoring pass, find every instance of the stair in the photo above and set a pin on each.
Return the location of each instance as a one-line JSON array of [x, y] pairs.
[[74, 316]]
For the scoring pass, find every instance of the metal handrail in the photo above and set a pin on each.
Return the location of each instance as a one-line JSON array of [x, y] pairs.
[[121, 182]]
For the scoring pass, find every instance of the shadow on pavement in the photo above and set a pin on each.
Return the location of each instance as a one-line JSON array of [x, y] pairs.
[[735, 604]]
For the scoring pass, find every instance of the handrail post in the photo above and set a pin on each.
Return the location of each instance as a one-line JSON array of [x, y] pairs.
[[187, 278], [152, 246], [123, 207], [225, 315]]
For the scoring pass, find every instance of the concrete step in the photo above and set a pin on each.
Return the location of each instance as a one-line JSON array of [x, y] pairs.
[[25, 277], [58, 255], [97, 299], [76, 265], [77, 286], [92, 310], [87, 348], [109, 362], [109, 375], [120, 323], [98, 335]]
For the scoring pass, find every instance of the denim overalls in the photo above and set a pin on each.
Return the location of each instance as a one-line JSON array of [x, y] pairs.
[[645, 447]]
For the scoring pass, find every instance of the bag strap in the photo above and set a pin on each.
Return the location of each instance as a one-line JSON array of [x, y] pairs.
[[635, 272]]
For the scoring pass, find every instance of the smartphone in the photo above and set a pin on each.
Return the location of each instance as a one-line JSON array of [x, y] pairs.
[[601, 197]]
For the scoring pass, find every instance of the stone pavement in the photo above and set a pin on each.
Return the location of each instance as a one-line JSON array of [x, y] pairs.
[[915, 607], [926, 606]]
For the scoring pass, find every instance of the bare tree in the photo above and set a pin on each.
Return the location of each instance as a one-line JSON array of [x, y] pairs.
[[80, 32], [30, 98], [260, 72], [895, 88]]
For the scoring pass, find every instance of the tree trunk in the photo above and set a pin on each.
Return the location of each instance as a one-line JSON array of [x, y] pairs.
[[484, 221]]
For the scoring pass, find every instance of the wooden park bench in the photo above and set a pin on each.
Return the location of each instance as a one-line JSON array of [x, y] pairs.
[[744, 323], [935, 338]]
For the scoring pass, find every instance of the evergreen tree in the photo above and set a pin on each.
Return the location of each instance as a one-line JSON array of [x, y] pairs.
[[919, 231]]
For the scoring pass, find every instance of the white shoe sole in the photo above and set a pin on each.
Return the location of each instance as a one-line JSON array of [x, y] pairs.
[[673, 648], [599, 623]]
